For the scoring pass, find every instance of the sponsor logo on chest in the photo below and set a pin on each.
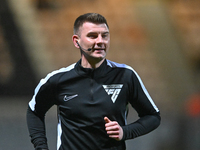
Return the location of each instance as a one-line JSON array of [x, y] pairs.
[[113, 90]]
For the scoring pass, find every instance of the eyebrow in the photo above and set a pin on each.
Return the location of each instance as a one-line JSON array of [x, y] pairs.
[[106, 32]]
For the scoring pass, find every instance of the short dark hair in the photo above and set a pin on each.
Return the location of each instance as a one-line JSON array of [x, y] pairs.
[[88, 17]]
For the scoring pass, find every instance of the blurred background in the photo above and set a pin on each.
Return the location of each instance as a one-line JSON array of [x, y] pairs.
[[160, 39]]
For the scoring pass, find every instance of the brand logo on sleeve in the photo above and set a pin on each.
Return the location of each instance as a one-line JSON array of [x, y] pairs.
[[67, 98], [113, 90]]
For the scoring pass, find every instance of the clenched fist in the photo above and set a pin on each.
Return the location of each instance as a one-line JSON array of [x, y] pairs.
[[113, 129]]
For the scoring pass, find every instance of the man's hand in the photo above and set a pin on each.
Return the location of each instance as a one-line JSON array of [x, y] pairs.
[[113, 129]]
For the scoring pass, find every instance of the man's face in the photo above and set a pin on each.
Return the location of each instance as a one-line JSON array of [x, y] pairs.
[[96, 37]]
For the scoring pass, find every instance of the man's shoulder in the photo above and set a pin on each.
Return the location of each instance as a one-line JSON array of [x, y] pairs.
[[113, 64], [60, 71]]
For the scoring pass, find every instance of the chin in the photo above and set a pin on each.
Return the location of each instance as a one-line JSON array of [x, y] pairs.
[[99, 58], [100, 55]]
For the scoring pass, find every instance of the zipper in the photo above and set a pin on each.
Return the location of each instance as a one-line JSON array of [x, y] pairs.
[[92, 89], [92, 85]]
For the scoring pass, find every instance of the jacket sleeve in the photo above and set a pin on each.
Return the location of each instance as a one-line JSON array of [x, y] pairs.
[[141, 127], [36, 126], [149, 115], [43, 99]]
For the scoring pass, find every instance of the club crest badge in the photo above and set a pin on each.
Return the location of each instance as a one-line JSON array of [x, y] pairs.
[[113, 90]]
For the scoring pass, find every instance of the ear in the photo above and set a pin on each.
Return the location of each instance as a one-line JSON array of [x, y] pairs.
[[75, 39]]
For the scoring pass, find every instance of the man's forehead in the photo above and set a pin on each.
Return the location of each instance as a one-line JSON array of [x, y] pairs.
[[92, 27]]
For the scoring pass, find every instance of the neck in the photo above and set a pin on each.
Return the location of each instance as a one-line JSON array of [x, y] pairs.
[[91, 64]]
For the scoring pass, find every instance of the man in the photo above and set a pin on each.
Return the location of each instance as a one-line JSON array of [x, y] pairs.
[[92, 96]]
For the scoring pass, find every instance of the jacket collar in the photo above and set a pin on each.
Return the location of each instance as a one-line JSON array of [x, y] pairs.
[[89, 72]]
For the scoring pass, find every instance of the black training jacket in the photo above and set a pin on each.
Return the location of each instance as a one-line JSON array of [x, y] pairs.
[[84, 97]]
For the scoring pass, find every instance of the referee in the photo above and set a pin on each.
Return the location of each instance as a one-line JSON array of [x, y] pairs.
[[91, 96]]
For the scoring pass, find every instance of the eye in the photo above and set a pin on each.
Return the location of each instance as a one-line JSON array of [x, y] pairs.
[[93, 36], [105, 35]]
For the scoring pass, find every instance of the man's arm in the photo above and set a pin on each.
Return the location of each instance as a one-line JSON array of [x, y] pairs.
[[149, 114], [42, 100], [142, 126], [36, 127]]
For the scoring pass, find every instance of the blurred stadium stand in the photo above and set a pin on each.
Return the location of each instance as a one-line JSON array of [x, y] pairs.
[[159, 39]]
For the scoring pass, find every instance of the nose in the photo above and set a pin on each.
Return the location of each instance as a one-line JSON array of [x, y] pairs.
[[99, 39]]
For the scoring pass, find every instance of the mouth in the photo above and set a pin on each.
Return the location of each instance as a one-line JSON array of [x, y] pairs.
[[99, 49]]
